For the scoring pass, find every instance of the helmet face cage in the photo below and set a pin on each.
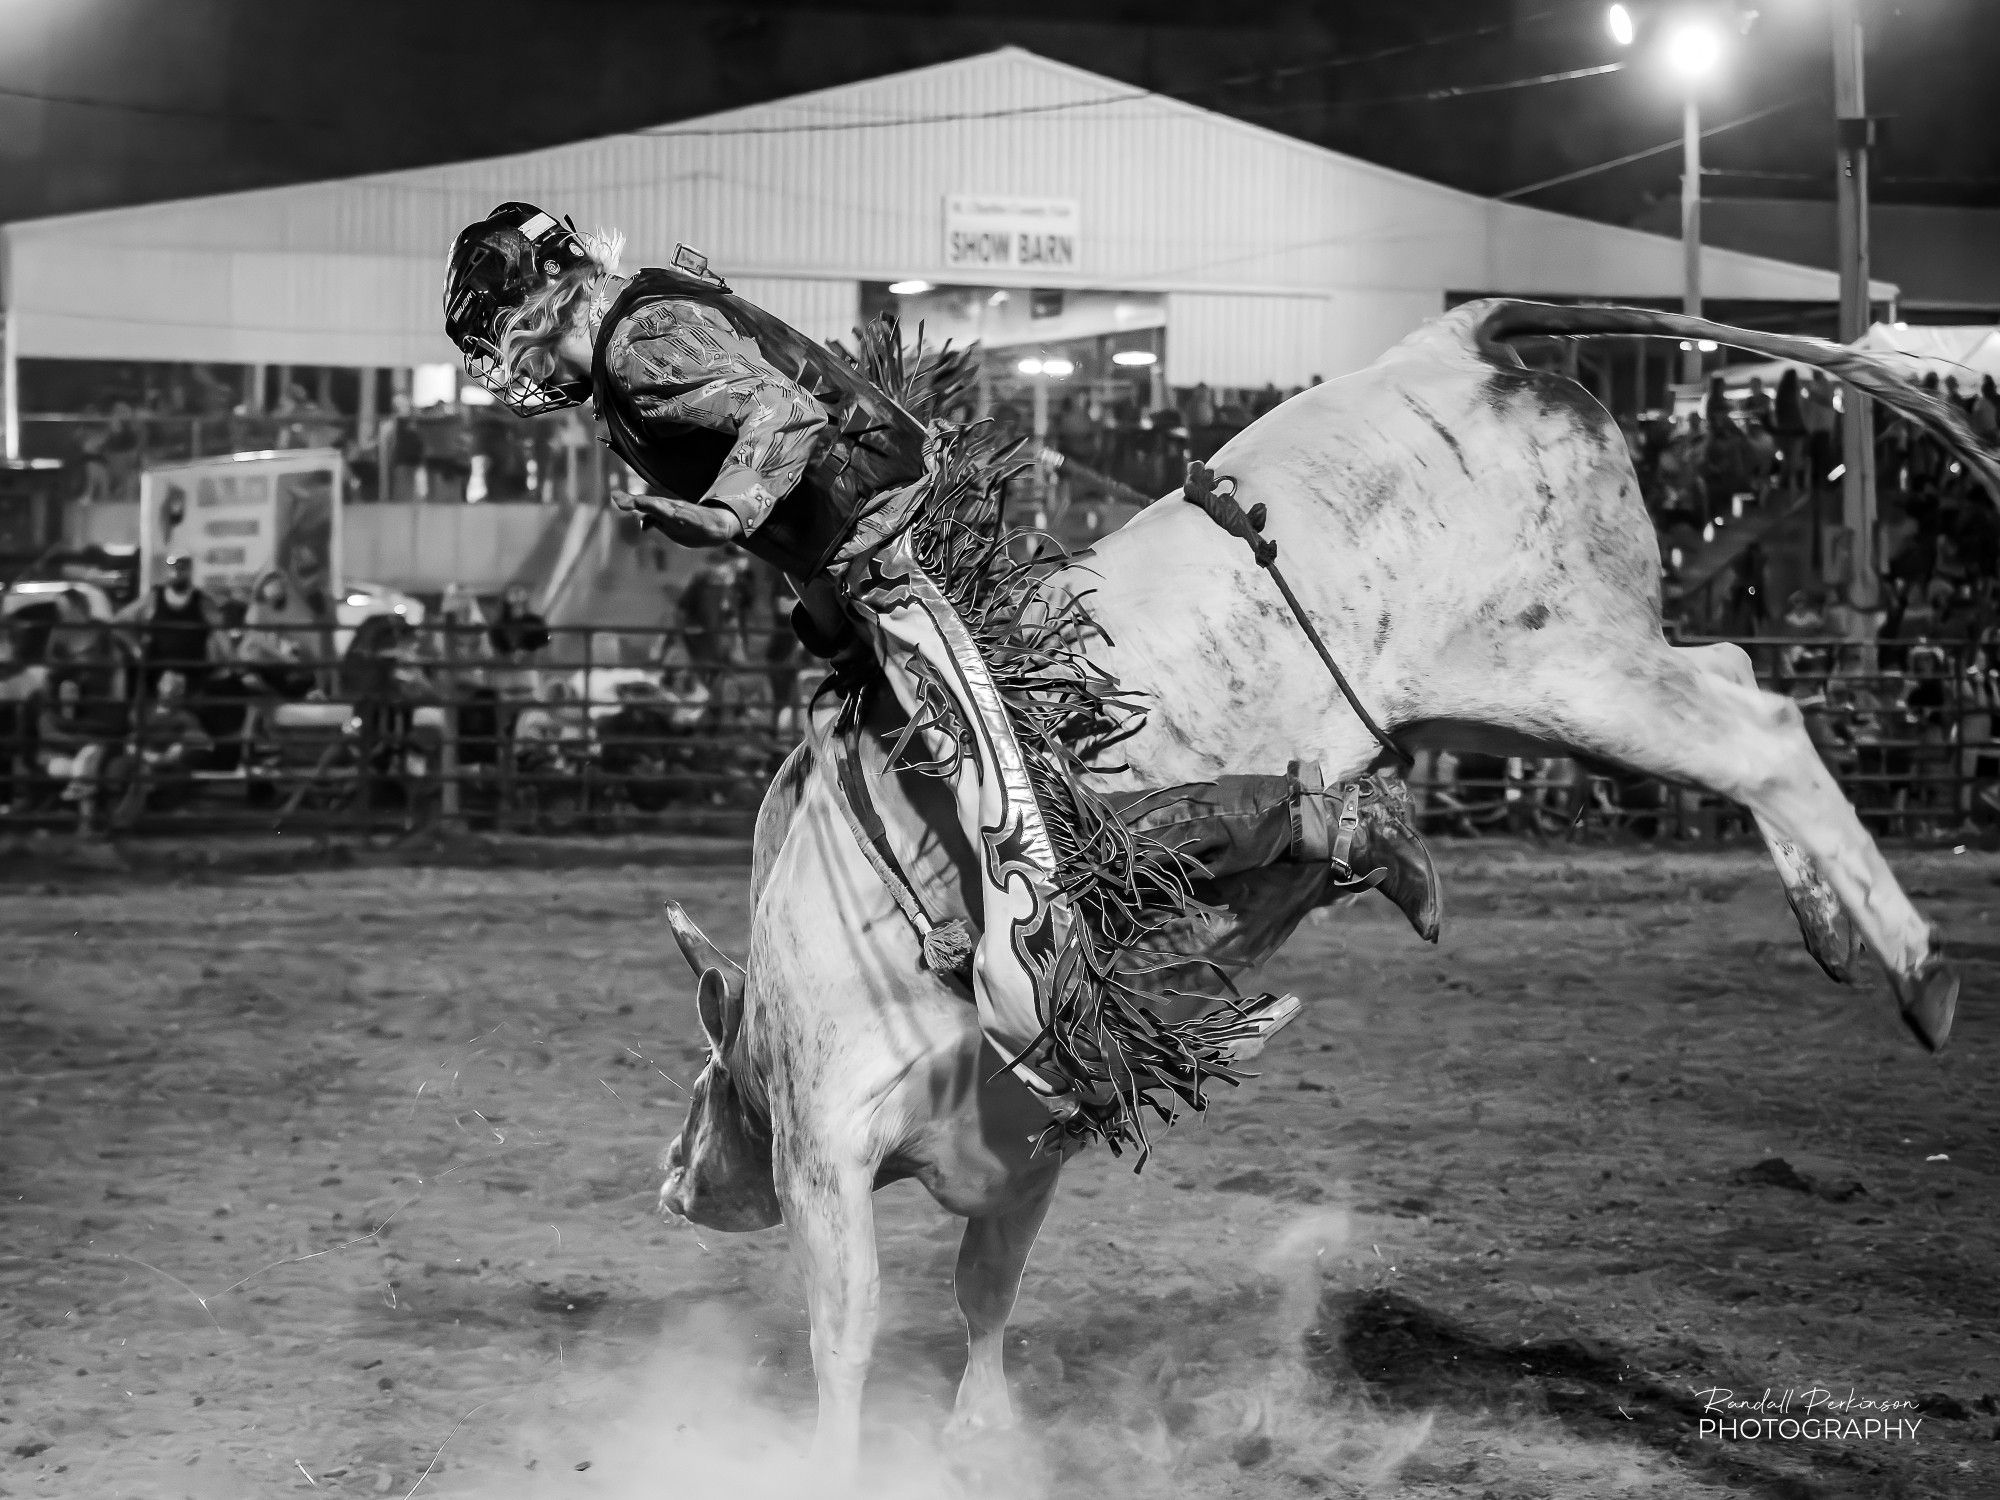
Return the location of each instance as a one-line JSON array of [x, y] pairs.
[[495, 265], [523, 396]]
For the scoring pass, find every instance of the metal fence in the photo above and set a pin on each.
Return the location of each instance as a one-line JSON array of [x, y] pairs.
[[389, 727]]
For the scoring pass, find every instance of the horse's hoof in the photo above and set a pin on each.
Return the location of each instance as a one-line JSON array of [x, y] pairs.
[[1929, 1000], [1830, 934]]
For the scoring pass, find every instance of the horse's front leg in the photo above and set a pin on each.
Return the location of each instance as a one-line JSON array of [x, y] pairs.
[[826, 1192], [991, 1258]]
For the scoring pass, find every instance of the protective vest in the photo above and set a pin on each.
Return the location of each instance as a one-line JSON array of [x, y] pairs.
[[869, 444]]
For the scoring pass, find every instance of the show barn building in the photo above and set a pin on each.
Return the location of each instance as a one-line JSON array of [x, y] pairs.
[[1121, 240]]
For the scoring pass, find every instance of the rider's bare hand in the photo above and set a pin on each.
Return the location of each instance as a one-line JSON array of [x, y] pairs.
[[689, 524]]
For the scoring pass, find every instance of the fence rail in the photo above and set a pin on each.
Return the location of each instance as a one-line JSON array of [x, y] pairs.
[[315, 727]]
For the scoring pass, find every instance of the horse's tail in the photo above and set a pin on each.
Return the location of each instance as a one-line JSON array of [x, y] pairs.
[[1869, 374]]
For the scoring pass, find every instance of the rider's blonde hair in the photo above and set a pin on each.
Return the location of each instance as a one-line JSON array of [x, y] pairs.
[[529, 334]]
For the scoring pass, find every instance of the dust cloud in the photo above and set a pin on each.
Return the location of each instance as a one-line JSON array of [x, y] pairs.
[[698, 1421]]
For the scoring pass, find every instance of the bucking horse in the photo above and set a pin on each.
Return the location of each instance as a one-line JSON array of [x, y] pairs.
[[1466, 534]]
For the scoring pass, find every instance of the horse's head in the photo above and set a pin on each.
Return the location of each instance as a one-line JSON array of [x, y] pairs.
[[719, 1166]]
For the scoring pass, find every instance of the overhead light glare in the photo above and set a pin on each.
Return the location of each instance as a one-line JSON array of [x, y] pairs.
[[1706, 346], [1058, 368], [908, 288], [1135, 357], [1618, 21], [1694, 49], [1029, 367]]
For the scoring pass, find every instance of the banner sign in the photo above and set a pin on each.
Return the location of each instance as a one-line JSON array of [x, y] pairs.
[[986, 232], [245, 518]]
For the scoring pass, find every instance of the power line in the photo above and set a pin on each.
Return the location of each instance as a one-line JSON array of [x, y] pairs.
[[891, 122], [1259, 76], [177, 111], [1630, 157], [1430, 96], [1355, 59]]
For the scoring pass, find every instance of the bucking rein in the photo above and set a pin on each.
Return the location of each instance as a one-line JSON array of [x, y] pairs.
[[947, 945]]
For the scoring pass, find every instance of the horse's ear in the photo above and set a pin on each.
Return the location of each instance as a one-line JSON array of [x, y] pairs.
[[720, 1005]]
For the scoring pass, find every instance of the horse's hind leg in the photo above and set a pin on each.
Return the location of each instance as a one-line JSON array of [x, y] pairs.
[[1651, 708], [987, 1279], [1831, 936]]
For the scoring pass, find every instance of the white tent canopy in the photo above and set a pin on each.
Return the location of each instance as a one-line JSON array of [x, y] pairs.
[[1277, 259]]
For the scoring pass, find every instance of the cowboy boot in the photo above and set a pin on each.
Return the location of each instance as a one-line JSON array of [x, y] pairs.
[[1368, 836]]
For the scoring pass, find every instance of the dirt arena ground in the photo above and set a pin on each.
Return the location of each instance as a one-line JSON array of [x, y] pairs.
[[340, 1181]]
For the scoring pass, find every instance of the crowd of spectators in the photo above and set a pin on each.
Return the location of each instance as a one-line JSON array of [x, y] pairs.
[[1147, 450], [101, 720]]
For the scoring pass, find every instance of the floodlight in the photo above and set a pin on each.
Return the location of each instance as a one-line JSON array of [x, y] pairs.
[[1618, 21], [1135, 357], [1057, 367], [908, 288], [1030, 367], [1694, 50], [1706, 346]]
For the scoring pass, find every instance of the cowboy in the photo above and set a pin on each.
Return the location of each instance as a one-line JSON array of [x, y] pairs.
[[751, 433]]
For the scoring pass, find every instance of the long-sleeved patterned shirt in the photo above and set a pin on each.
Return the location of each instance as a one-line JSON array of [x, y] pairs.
[[681, 362]]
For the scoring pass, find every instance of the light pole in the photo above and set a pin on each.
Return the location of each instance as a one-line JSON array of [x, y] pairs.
[[1693, 52], [1857, 428]]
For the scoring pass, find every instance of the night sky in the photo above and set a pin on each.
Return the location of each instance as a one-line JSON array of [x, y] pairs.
[[106, 102]]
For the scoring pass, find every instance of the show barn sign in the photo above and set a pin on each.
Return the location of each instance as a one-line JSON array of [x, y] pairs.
[[987, 232]]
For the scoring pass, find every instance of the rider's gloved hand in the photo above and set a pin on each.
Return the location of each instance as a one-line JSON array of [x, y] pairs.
[[681, 521]]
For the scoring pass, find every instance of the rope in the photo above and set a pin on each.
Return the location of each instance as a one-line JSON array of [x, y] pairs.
[[1220, 506]]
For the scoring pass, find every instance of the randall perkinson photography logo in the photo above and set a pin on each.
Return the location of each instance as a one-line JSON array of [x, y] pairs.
[[1813, 1414]]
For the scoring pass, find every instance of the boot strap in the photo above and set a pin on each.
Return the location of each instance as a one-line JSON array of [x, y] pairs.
[[1349, 824], [1310, 840]]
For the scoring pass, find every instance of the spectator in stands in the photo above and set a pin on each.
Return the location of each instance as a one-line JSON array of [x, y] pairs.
[[1725, 464], [711, 617], [277, 641], [1716, 409], [1927, 460], [1757, 404], [177, 625], [1985, 413], [71, 745], [169, 746], [378, 676], [1822, 429], [518, 632], [124, 445], [447, 445], [1744, 610], [1200, 411], [23, 684], [1074, 429], [403, 449], [1265, 401], [1788, 421], [783, 656]]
